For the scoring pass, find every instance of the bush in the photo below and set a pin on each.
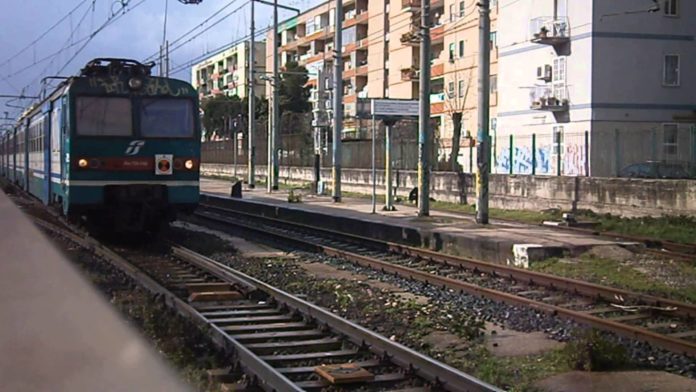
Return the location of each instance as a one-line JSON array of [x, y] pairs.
[[591, 351]]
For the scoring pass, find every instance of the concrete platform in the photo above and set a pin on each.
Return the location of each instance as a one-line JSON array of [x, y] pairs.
[[57, 332], [503, 242]]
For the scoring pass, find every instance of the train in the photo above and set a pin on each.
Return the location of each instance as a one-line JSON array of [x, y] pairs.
[[114, 146]]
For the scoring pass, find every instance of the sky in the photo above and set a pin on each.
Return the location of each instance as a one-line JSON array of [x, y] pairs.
[[135, 30]]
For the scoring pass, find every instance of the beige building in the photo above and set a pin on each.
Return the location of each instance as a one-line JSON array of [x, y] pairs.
[[227, 72], [382, 56]]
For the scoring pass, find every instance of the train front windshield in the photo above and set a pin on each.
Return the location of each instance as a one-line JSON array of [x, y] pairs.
[[166, 117], [158, 117]]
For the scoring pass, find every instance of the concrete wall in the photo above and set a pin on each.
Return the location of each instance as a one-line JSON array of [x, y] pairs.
[[627, 197]]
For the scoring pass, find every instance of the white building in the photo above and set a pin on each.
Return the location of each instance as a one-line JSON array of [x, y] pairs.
[[603, 83]]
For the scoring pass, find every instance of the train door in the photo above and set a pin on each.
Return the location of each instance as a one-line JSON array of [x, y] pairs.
[[55, 168]]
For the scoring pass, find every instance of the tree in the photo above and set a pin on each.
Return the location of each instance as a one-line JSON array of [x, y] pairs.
[[455, 107], [294, 92], [216, 109]]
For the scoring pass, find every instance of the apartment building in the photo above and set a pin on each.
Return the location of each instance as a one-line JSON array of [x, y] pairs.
[[227, 73], [592, 86], [381, 54]]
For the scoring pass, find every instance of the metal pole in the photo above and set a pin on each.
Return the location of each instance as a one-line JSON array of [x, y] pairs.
[[424, 120], [388, 199], [161, 61], [252, 104], [166, 48], [534, 163], [338, 102], [374, 169], [275, 131], [234, 145], [269, 144], [483, 149]]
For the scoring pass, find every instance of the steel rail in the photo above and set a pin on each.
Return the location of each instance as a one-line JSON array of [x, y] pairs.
[[266, 376], [642, 334], [434, 371], [581, 287]]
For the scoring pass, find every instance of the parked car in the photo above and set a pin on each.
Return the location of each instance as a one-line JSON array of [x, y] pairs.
[[655, 169]]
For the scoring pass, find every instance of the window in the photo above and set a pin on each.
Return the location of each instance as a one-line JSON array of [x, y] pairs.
[[462, 8], [559, 69], [461, 49], [99, 116], [452, 13], [349, 35], [493, 39], [494, 84], [557, 140], [451, 51], [670, 76], [669, 139], [559, 78], [450, 89], [461, 89], [671, 7], [166, 117]]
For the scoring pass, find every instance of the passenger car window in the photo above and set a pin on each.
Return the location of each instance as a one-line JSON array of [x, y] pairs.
[[101, 116]]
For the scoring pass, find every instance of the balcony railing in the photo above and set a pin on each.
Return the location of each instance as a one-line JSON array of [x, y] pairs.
[[549, 98], [547, 30]]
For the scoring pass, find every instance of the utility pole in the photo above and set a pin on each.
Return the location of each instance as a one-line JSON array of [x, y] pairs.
[[275, 131], [483, 148], [252, 104], [424, 123], [338, 102]]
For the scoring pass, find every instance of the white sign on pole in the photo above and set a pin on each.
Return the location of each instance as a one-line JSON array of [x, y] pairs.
[[394, 107]]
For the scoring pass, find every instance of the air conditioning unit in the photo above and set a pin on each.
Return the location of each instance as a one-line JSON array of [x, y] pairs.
[[544, 73]]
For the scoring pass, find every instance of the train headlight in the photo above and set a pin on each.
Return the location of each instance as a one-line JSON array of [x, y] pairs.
[[188, 164], [135, 83], [82, 163]]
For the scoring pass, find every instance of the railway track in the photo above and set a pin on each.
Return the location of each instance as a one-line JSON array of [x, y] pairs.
[[661, 322], [681, 251], [281, 342]]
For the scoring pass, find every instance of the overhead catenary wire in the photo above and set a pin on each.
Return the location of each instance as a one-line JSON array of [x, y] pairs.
[[44, 34], [201, 24]]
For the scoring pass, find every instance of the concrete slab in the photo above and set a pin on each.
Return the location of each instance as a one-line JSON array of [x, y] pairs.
[[507, 343], [450, 232], [636, 381], [244, 247]]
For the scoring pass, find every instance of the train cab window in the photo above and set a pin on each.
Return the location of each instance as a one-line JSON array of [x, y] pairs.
[[100, 116], [166, 117]]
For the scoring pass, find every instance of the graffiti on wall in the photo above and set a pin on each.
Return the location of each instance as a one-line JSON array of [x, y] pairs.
[[572, 160], [522, 160]]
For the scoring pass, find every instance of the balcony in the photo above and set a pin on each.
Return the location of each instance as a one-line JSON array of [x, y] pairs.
[[437, 34], [550, 99], [437, 98], [412, 5], [437, 68], [352, 19], [547, 30], [409, 74], [411, 38]]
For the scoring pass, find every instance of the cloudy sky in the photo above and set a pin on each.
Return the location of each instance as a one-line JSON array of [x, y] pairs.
[[131, 29]]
